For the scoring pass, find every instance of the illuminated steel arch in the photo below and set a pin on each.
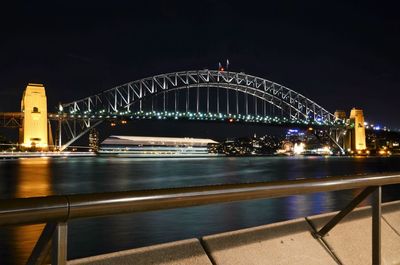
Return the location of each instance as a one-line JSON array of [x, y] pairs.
[[121, 98], [129, 101]]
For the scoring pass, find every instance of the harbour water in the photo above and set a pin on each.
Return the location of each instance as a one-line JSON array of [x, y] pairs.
[[43, 176]]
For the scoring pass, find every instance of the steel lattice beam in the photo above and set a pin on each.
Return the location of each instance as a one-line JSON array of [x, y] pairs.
[[11, 119], [121, 98], [121, 101]]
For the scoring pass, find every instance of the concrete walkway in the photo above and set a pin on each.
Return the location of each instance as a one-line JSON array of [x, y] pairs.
[[183, 252], [282, 243], [289, 242]]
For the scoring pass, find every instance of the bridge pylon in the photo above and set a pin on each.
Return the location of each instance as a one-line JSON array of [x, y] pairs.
[[357, 139], [34, 130], [352, 137]]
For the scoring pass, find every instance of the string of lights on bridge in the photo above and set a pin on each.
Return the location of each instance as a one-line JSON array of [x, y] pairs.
[[176, 115]]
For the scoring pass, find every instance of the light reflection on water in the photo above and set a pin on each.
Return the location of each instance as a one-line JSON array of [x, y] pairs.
[[39, 177], [32, 179]]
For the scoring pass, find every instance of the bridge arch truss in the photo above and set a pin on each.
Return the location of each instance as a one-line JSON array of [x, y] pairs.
[[132, 96], [202, 95]]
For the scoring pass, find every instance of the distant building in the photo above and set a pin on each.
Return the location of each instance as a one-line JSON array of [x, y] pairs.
[[94, 139], [340, 115], [295, 135]]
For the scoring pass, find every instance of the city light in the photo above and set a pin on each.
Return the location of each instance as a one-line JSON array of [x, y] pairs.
[[298, 148]]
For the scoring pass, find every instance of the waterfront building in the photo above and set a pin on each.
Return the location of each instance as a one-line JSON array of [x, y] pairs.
[[94, 139]]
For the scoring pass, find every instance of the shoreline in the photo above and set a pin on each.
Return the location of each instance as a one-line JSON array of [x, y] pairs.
[[16, 155]]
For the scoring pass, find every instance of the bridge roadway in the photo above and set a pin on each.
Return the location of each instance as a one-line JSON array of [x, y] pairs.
[[289, 242], [14, 119], [11, 119]]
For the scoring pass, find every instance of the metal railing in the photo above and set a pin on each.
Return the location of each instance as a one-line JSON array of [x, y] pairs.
[[56, 211]]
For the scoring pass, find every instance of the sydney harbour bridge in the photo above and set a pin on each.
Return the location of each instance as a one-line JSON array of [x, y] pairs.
[[203, 95]]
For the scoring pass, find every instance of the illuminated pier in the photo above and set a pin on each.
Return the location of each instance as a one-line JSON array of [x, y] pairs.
[[34, 132]]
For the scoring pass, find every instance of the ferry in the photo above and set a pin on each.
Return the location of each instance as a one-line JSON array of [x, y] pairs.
[[148, 146]]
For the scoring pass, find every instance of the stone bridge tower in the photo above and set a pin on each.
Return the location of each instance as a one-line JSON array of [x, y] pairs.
[[34, 126]]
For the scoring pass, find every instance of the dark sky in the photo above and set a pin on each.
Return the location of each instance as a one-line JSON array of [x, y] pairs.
[[339, 54]]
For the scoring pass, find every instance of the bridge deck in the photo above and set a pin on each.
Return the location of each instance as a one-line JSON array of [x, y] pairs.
[[289, 242], [11, 119]]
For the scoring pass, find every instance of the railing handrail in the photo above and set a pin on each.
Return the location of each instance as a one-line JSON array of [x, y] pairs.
[[65, 207]]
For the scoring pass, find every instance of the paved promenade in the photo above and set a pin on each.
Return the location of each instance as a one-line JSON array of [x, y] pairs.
[[289, 242]]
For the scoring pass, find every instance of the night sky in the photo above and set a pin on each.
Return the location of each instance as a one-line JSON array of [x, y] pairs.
[[341, 55]]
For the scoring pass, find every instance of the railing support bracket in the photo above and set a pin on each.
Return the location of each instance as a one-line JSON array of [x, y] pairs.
[[343, 213], [42, 247]]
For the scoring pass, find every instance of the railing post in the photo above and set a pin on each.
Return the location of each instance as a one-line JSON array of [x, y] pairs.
[[376, 226], [59, 245]]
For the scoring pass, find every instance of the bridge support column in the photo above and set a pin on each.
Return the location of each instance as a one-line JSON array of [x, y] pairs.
[[59, 134], [358, 139], [34, 126], [353, 138]]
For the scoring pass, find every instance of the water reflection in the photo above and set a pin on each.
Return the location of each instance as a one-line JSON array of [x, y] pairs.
[[24, 239], [33, 179], [39, 177]]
